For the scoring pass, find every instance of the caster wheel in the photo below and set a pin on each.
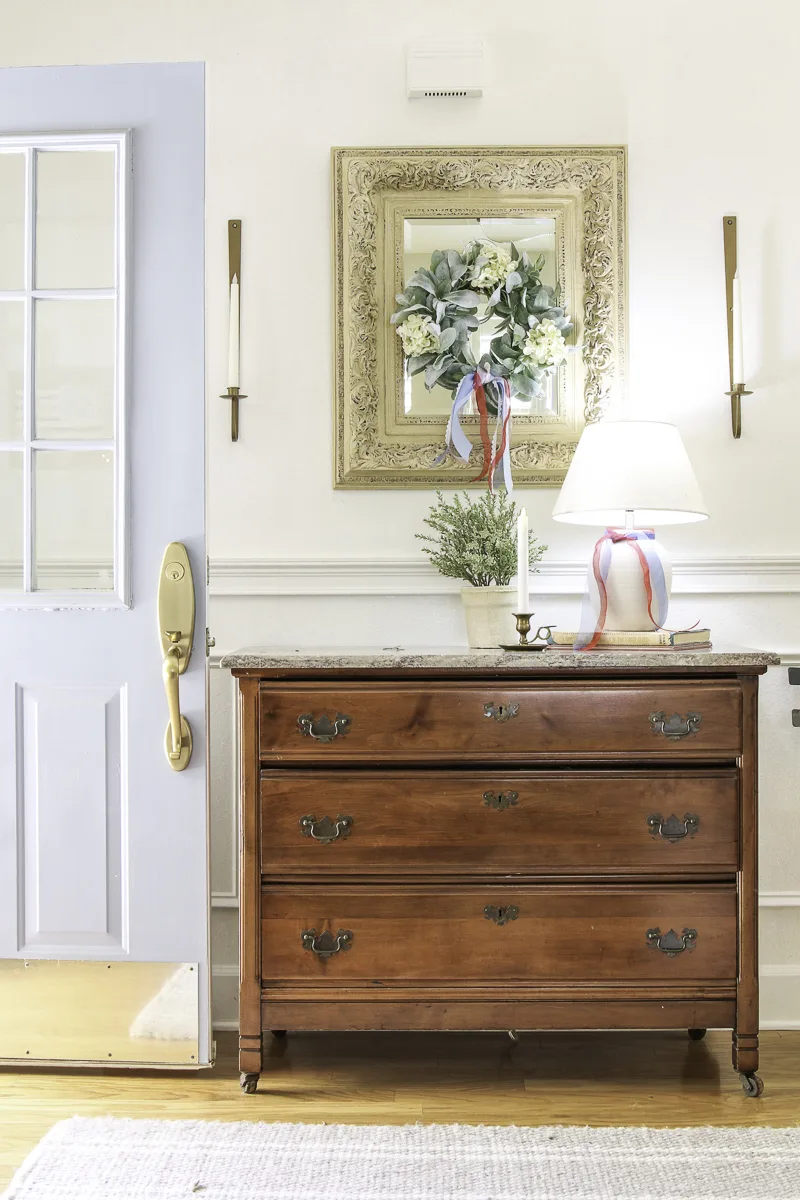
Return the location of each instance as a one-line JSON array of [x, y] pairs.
[[697, 1035], [278, 1033], [512, 1033], [752, 1085], [248, 1082]]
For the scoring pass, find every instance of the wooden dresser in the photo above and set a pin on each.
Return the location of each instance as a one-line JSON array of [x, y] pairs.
[[499, 841]]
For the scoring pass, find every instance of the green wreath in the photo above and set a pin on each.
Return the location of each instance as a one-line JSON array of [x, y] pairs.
[[437, 314]]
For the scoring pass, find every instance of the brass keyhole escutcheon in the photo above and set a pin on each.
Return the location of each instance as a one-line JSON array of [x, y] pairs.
[[174, 571]]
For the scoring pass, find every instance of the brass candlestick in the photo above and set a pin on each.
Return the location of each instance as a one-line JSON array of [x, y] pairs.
[[737, 390], [540, 638]]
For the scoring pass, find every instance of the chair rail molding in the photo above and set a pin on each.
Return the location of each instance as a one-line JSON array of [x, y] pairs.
[[414, 576]]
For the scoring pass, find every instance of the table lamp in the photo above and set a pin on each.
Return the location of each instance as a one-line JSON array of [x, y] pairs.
[[628, 476]]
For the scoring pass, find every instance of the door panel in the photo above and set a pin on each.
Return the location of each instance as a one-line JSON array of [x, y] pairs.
[[103, 848]]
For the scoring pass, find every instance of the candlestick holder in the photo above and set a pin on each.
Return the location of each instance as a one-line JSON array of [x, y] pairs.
[[234, 395], [540, 638], [737, 390]]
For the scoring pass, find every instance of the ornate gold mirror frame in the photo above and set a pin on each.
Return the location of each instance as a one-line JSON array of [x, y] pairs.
[[374, 192]]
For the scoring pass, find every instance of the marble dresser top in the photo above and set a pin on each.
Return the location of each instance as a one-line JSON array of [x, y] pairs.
[[456, 658]]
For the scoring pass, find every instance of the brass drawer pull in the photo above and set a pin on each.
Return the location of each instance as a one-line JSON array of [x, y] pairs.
[[500, 712], [675, 727], [325, 945], [501, 915], [323, 729], [500, 801], [671, 829], [326, 830], [669, 943]]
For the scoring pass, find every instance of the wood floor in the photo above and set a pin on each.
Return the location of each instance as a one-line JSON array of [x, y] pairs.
[[383, 1078]]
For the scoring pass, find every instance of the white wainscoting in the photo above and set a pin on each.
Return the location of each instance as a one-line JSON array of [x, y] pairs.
[[341, 602]]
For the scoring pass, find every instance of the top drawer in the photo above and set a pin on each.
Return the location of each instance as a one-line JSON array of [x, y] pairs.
[[475, 722]]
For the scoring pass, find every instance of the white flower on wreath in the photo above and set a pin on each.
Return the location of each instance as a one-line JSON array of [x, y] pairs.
[[493, 267], [418, 335], [545, 345]]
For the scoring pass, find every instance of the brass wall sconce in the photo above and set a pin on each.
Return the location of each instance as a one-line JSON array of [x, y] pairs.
[[733, 302], [234, 284]]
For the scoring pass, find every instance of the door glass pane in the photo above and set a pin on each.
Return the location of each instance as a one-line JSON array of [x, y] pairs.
[[12, 346], [74, 377], [75, 202], [74, 529], [12, 222], [11, 524]]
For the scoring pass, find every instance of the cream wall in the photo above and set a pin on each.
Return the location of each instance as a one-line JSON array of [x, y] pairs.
[[705, 96]]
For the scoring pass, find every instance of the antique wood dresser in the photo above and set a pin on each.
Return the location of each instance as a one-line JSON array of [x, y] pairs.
[[498, 841]]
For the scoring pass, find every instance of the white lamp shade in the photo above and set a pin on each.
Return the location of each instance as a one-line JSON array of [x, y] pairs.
[[630, 466]]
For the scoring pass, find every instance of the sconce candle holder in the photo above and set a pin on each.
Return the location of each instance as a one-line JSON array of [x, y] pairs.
[[540, 638], [233, 392], [734, 314]]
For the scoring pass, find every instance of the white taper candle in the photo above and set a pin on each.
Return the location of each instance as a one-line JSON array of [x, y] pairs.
[[522, 562], [233, 336], [738, 347]]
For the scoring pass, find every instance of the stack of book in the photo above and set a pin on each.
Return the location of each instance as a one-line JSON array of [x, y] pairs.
[[658, 639]]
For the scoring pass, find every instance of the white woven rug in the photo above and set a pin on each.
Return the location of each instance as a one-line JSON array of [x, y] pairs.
[[90, 1159]]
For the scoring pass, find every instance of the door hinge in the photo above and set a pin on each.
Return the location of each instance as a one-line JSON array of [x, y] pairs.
[[210, 642], [208, 570]]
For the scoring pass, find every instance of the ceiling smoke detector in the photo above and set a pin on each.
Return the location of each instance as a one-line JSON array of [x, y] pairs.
[[444, 70]]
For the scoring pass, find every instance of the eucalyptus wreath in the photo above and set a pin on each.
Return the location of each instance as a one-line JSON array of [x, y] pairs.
[[438, 311]]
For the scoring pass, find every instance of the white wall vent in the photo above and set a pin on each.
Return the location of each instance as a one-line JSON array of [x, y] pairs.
[[444, 70]]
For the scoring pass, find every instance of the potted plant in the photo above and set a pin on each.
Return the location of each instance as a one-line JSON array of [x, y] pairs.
[[477, 542]]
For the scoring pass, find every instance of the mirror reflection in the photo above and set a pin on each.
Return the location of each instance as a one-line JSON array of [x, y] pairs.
[[424, 235]]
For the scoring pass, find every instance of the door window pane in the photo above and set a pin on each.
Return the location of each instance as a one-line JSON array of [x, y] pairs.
[[75, 218], [12, 222], [11, 525], [74, 376], [74, 532], [12, 347]]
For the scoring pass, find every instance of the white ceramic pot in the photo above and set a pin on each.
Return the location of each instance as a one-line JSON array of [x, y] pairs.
[[488, 611], [627, 599]]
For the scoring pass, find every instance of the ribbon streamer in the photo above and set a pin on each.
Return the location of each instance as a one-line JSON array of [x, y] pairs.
[[496, 458], [595, 600]]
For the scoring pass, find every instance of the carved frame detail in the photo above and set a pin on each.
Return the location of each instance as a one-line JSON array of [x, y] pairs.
[[365, 457]]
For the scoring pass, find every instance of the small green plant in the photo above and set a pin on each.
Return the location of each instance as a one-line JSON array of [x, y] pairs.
[[476, 542]]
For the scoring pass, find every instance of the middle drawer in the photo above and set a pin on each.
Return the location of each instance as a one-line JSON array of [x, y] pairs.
[[324, 823]]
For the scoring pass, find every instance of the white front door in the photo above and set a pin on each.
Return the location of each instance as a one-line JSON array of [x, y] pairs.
[[103, 845]]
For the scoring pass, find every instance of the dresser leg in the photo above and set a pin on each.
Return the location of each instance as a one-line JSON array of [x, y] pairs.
[[250, 1054]]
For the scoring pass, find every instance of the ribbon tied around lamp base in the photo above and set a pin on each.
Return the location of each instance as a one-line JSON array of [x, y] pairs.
[[497, 450], [595, 602]]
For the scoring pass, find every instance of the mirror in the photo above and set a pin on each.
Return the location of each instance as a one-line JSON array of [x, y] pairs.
[[563, 210], [421, 237]]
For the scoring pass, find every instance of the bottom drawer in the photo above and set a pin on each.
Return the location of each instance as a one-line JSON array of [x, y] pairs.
[[332, 936]]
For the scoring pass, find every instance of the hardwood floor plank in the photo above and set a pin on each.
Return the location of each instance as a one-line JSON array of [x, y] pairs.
[[660, 1079]]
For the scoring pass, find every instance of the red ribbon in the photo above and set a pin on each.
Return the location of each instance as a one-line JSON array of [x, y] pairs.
[[613, 535], [490, 462]]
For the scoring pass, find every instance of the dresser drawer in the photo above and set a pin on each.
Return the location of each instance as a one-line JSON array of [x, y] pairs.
[[370, 822], [342, 935], [363, 722]]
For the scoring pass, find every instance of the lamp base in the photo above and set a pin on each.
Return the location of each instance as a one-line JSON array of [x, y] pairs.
[[627, 598]]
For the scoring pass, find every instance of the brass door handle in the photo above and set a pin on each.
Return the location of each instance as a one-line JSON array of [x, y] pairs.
[[176, 633]]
